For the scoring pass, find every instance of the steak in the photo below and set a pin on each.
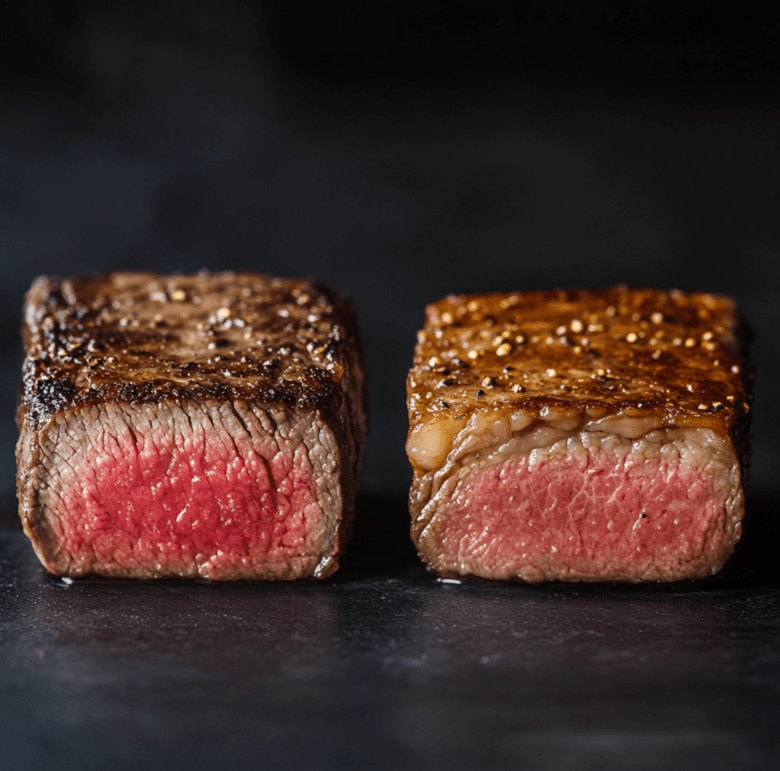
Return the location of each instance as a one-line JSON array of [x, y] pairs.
[[579, 436], [206, 425]]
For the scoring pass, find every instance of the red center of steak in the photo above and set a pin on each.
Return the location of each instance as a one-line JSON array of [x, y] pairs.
[[594, 517], [200, 499]]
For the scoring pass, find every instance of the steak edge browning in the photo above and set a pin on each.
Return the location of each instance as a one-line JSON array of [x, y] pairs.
[[207, 425], [591, 415]]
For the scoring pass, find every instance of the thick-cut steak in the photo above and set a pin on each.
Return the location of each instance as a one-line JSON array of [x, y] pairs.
[[587, 435], [207, 425]]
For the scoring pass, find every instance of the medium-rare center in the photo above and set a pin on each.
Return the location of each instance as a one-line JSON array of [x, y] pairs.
[[205, 425], [586, 435]]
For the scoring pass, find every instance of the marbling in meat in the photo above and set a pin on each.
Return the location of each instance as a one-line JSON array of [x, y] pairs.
[[586, 435]]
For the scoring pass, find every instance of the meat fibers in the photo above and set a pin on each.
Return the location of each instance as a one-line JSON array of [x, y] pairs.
[[579, 436], [206, 425]]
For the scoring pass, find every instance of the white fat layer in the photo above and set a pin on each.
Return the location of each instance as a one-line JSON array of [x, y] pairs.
[[438, 440]]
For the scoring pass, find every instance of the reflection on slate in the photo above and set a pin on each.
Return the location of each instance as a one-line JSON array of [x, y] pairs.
[[388, 668], [578, 674]]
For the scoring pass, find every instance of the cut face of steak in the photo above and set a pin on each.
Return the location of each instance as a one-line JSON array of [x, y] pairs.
[[195, 426], [595, 436]]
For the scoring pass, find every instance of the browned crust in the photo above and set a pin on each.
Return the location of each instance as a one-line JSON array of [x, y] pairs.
[[640, 351], [678, 358], [143, 337], [149, 338]]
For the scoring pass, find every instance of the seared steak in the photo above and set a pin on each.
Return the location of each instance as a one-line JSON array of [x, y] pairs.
[[207, 425], [587, 435]]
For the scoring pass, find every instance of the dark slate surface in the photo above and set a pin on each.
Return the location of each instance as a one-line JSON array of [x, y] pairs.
[[385, 668]]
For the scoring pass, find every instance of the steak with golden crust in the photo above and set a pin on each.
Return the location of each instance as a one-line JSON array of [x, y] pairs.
[[586, 435]]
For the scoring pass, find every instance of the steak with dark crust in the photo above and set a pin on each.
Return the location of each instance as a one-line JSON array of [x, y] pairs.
[[206, 425]]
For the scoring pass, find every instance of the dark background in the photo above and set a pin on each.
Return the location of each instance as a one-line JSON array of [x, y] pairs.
[[398, 151]]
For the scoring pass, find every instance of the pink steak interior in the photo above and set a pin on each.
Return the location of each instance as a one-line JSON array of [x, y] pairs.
[[202, 504], [594, 517]]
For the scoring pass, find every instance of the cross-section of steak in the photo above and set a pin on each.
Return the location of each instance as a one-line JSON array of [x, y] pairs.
[[206, 425], [579, 436]]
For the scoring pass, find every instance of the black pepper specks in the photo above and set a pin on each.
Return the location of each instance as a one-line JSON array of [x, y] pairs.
[[109, 336], [627, 347]]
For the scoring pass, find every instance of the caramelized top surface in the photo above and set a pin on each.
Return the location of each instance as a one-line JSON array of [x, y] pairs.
[[618, 350], [145, 337]]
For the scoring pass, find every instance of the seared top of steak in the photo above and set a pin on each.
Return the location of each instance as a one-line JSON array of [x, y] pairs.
[[144, 337], [609, 351]]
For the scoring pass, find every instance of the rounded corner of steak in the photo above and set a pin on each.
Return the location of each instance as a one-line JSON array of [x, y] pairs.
[[594, 435], [206, 425]]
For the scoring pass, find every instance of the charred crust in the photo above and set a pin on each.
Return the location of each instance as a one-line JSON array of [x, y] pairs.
[[145, 337], [43, 396]]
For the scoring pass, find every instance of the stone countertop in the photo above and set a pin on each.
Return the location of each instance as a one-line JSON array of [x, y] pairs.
[[383, 667]]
